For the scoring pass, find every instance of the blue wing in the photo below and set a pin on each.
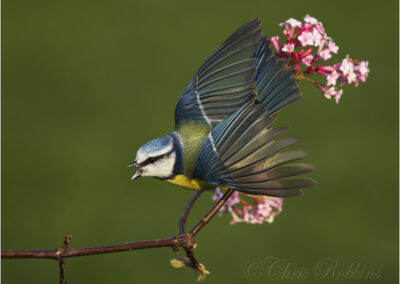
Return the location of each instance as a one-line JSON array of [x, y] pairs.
[[241, 68], [242, 153]]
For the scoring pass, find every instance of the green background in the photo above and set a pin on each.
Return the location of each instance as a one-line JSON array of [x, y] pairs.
[[85, 83]]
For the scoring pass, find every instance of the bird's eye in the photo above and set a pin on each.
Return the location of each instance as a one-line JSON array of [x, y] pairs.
[[152, 159]]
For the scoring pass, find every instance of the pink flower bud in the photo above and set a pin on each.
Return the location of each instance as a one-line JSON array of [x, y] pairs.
[[275, 42]]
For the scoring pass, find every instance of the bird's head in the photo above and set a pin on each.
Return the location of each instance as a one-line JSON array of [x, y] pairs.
[[156, 158]]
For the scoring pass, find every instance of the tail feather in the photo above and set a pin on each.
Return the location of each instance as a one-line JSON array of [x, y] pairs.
[[275, 173], [276, 160]]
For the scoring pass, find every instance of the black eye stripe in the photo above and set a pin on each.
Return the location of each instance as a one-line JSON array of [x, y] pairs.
[[152, 160]]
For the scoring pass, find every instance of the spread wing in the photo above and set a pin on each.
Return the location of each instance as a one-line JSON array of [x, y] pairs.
[[225, 81], [243, 153], [242, 67]]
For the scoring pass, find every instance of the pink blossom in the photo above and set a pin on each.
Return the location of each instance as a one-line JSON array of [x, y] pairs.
[[338, 96], [351, 77], [306, 38], [363, 67], [263, 209], [315, 24], [290, 26], [292, 22], [333, 47], [300, 54], [325, 54], [332, 92], [332, 78], [310, 20], [347, 66], [307, 60], [351, 71], [320, 28], [318, 38], [289, 47], [346, 72], [363, 71], [234, 199]]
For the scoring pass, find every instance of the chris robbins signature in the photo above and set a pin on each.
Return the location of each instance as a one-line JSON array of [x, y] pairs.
[[275, 268]]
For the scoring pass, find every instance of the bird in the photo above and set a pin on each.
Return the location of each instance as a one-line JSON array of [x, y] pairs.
[[223, 135]]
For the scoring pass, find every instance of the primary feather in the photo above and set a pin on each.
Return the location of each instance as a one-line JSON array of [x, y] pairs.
[[243, 66]]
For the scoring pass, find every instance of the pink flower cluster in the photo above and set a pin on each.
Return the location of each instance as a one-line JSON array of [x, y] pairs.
[[263, 209], [306, 45]]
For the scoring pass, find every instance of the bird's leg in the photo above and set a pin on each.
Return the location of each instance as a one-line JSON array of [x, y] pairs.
[[182, 220]]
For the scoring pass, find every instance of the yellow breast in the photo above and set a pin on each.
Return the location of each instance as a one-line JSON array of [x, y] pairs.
[[189, 183]]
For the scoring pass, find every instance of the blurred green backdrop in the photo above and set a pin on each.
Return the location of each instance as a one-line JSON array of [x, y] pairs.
[[85, 83]]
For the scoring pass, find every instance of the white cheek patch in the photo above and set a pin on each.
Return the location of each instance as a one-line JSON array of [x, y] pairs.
[[162, 168]]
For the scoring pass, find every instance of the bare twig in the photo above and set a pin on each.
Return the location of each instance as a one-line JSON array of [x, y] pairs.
[[183, 240], [54, 253]]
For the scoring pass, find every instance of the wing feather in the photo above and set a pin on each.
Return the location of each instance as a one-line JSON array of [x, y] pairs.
[[253, 164], [237, 91], [242, 67], [228, 71]]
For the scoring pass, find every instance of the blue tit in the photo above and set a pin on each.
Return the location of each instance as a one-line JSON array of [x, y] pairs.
[[223, 135]]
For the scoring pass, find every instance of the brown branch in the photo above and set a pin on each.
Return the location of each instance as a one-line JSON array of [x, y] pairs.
[[193, 232], [183, 240], [54, 253]]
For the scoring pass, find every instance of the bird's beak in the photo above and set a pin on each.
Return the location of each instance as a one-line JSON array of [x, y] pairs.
[[133, 164], [138, 174]]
